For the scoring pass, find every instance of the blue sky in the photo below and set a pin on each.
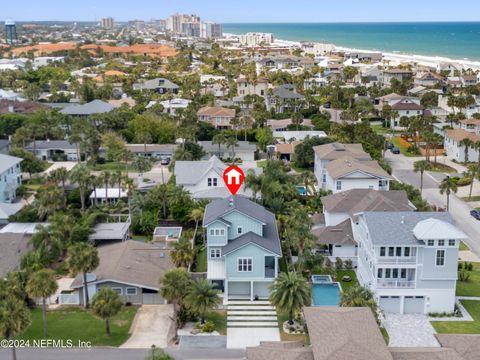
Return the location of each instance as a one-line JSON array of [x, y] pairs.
[[247, 10]]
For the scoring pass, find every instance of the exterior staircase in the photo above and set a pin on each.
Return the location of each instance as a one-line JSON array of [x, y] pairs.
[[248, 314]]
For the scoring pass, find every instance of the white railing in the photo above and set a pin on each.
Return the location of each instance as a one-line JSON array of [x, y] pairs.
[[68, 299], [396, 284], [397, 260]]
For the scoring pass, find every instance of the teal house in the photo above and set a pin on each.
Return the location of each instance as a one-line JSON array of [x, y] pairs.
[[243, 247]]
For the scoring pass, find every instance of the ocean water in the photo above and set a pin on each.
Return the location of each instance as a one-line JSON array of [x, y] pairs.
[[456, 40]]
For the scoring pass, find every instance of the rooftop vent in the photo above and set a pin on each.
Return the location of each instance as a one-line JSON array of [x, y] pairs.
[[403, 220]]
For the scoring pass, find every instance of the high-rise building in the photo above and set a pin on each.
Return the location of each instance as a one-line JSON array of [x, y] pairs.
[[138, 25], [108, 23], [256, 39], [181, 24], [210, 30]]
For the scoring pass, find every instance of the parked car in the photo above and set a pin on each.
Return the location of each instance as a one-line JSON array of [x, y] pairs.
[[165, 160], [390, 146], [395, 150], [475, 213]]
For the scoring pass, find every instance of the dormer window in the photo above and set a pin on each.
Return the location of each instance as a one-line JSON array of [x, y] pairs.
[[430, 242], [441, 242], [239, 230]]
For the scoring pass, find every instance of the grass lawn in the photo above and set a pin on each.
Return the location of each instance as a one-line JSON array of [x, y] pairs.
[[380, 130], [142, 238], [461, 327], [442, 168], [289, 337], [403, 149], [385, 335], [463, 246], [346, 285], [472, 286], [261, 163], [76, 324], [219, 318], [111, 166], [201, 260]]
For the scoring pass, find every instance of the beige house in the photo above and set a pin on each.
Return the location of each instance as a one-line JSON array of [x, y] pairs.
[[218, 116]]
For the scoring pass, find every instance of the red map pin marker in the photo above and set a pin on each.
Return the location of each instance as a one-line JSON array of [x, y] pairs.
[[233, 177]]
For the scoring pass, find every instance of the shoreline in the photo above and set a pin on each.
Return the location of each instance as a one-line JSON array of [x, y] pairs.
[[398, 58]]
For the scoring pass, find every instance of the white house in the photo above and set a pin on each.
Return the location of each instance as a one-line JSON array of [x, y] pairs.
[[454, 147], [408, 259], [204, 178], [326, 153], [349, 173], [246, 87], [110, 195], [405, 108]]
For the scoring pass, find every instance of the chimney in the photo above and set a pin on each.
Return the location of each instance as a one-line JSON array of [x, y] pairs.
[[230, 202]]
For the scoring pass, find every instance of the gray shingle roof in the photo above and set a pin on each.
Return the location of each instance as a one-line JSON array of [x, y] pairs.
[[93, 107], [7, 161], [241, 146], [338, 234], [51, 144], [190, 172], [12, 248], [387, 228], [155, 84]]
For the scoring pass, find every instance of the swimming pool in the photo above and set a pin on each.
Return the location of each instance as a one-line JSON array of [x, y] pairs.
[[302, 190], [326, 294]]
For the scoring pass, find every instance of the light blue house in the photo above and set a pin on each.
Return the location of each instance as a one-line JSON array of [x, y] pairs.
[[10, 177], [243, 247]]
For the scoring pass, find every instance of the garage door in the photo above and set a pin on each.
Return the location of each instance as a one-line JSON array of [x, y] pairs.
[[152, 299], [414, 305], [390, 304], [239, 288]]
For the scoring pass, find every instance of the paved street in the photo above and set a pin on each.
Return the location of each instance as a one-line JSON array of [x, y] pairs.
[[118, 354], [403, 170]]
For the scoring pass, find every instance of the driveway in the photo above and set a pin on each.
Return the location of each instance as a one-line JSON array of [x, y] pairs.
[[240, 338], [152, 325], [410, 330]]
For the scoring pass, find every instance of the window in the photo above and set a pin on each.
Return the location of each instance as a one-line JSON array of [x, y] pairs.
[[212, 181], [217, 232], [406, 251], [324, 178], [382, 183], [431, 242], [391, 250], [451, 242], [403, 273], [339, 185], [131, 291], [215, 253], [239, 230], [398, 251], [118, 290], [440, 258], [244, 264], [395, 273], [382, 251], [388, 273], [441, 242], [379, 274]]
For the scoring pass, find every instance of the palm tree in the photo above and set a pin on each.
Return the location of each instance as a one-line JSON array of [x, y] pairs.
[[196, 215], [106, 303], [182, 154], [467, 143], [42, 284], [474, 173], [202, 297], [297, 119], [183, 252], [476, 146], [308, 179], [448, 186], [219, 139], [289, 293], [231, 142], [80, 175], [358, 296], [422, 166], [59, 175], [83, 258], [253, 183], [49, 200], [14, 319], [174, 286]]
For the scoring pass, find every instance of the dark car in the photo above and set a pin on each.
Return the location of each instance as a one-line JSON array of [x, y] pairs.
[[395, 150], [390, 145], [475, 213]]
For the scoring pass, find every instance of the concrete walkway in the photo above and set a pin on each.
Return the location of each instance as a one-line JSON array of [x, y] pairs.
[[152, 325], [410, 330], [250, 322]]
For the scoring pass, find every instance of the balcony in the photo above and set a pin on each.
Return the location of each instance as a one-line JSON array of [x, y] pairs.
[[397, 260], [395, 284]]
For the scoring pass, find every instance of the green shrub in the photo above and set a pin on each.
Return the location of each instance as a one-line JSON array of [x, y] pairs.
[[208, 327], [463, 276], [348, 264], [338, 264]]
